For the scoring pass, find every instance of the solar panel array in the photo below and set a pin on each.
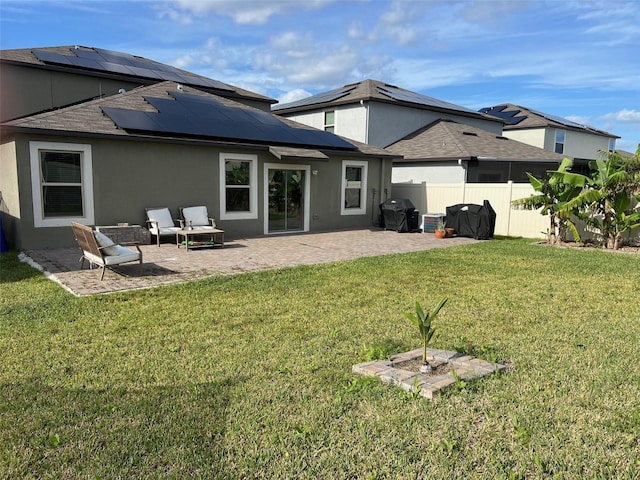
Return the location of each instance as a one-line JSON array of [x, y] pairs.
[[507, 115], [413, 97], [325, 97], [199, 116], [125, 64]]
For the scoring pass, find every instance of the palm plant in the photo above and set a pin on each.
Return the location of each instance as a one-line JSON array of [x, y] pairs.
[[606, 199], [555, 192], [423, 321]]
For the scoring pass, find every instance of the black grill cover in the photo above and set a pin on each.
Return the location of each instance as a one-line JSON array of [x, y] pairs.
[[470, 220], [399, 215]]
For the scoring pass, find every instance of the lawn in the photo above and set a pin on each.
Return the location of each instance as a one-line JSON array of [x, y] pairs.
[[249, 376]]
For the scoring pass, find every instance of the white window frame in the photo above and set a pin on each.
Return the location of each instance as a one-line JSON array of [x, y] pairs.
[[612, 144], [307, 193], [252, 213], [363, 187], [329, 127], [86, 172]]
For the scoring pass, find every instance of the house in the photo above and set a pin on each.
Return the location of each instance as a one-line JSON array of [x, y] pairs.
[[440, 142], [107, 135], [450, 152], [378, 113], [555, 134]]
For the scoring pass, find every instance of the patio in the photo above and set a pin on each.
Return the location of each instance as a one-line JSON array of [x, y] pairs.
[[168, 264]]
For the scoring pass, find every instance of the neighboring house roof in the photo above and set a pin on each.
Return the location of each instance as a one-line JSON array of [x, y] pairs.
[[449, 140], [175, 112], [373, 90], [111, 64], [517, 118]]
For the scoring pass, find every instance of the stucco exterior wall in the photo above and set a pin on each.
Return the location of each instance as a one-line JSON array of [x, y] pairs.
[[48, 89], [578, 145], [390, 123], [129, 176], [10, 195], [382, 124], [531, 136]]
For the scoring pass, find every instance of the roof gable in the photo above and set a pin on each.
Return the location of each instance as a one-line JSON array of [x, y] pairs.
[[446, 139]]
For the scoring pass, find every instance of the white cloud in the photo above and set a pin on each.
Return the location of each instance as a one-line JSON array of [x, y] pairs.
[[293, 95], [624, 116]]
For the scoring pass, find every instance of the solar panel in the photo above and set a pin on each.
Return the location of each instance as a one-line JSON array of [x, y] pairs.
[[201, 116], [507, 115], [413, 97], [123, 63], [324, 97]]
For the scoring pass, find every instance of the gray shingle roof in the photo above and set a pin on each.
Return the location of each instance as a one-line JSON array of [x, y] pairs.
[[447, 140], [518, 117], [56, 58], [88, 118], [373, 90]]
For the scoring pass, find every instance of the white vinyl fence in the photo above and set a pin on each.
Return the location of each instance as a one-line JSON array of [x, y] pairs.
[[436, 197]]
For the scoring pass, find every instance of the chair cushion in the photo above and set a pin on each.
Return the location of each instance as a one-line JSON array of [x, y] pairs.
[[196, 215], [123, 255], [106, 242], [162, 216], [166, 231]]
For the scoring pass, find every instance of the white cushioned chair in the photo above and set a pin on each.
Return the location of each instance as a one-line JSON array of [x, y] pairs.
[[101, 251], [160, 223], [196, 218]]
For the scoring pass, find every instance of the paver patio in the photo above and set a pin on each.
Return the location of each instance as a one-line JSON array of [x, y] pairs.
[[168, 264]]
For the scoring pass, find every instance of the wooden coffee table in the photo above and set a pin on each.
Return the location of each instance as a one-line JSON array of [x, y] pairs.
[[190, 234]]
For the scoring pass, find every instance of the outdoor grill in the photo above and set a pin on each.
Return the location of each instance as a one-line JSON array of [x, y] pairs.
[[399, 215], [470, 220]]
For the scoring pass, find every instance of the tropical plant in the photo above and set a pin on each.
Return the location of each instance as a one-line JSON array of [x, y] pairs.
[[553, 194], [606, 201], [423, 321]]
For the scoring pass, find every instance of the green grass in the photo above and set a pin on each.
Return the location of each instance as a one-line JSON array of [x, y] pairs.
[[249, 376]]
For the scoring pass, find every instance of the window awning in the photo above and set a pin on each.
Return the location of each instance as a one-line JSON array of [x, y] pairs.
[[290, 153]]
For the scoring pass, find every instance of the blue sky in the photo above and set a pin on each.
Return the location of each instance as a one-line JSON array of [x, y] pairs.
[[578, 59]]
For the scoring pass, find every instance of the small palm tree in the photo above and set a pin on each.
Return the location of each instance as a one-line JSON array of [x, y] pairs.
[[423, 320]]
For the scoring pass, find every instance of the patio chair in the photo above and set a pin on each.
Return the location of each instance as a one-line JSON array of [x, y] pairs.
[[160, 223], [101, 251], [196, 218]]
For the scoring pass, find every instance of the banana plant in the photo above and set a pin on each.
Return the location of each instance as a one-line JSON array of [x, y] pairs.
[[423, 321]]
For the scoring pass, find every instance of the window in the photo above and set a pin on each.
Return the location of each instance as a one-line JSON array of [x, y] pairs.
[[559, 141], [354, 188], [612, 144], [62, 184], [329, 121], [238, 186]]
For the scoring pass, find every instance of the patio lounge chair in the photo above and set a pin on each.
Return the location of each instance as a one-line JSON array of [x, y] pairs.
[[100, 250], [160, 223], [196, 218]]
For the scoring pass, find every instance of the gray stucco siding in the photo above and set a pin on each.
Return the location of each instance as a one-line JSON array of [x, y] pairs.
[[129, 176]]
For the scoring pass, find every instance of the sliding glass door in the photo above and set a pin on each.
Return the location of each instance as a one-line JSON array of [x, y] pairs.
[[287, 199]]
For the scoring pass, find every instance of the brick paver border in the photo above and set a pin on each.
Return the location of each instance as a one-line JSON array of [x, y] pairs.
[[465, 366]]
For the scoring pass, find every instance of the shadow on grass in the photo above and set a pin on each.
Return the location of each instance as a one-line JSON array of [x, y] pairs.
[[125, 432]]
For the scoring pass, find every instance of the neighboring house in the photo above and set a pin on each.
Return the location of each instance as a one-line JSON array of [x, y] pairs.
[[379, 114], [103, 158], [440, 142], [555, 134], [450, 152]]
